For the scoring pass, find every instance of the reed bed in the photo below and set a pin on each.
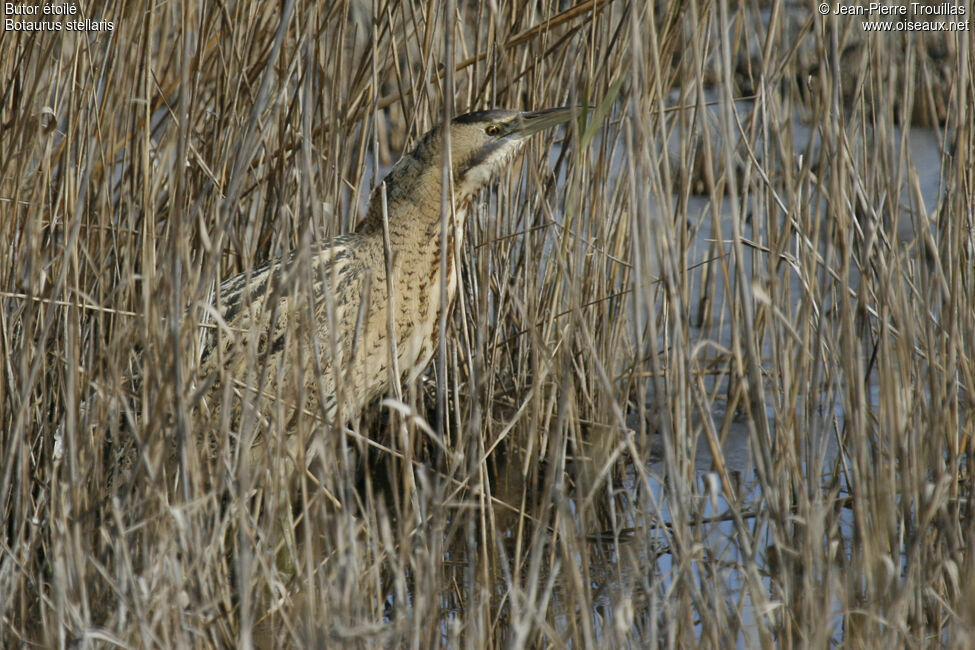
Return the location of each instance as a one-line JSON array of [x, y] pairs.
[[731, 247]]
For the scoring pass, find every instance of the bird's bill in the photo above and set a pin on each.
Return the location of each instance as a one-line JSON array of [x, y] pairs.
[[534, 121]]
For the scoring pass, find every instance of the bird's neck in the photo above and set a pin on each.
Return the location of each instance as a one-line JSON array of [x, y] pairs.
[[414, 207]]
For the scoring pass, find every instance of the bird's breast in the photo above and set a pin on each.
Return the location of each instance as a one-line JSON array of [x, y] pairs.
[[420, 301]]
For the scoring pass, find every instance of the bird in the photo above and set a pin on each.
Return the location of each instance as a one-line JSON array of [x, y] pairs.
[[343, 307]]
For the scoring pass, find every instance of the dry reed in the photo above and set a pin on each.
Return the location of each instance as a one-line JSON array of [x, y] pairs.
[[816, 304]]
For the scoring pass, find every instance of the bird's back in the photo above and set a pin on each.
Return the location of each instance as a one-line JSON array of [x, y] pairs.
[[289, 327]]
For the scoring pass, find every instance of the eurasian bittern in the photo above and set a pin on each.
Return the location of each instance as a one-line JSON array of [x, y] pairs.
[[335, 306]]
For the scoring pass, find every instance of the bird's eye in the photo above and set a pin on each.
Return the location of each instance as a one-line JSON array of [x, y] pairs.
[[492, 130]]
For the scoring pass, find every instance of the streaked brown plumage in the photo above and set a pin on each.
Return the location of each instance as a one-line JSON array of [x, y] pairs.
[[341, 325]]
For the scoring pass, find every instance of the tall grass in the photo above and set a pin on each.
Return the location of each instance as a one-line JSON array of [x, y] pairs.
[[816, 302]]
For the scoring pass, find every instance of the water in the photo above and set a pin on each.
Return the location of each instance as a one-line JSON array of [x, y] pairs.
[[726, 559]]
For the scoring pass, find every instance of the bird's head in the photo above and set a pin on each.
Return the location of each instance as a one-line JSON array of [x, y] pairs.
[[482, 143]]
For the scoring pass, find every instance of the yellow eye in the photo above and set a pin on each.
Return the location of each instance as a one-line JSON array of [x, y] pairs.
[[492, 130]]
